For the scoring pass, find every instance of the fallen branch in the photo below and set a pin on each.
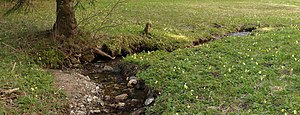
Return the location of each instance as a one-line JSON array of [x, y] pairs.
[[100, 52]]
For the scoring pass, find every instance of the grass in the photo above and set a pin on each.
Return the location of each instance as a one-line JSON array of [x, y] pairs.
[[247, 75], [254, 74], [177, 23], [36, 93]]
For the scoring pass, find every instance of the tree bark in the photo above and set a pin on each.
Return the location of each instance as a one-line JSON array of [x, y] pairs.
[[65, 25]]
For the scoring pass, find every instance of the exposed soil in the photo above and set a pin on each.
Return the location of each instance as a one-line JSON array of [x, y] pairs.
[[105, 88]]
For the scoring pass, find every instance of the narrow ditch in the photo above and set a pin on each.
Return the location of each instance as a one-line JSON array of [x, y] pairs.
[[241, 32]]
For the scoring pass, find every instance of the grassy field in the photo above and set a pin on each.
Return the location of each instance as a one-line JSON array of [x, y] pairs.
[[254, 74], [246, 75]]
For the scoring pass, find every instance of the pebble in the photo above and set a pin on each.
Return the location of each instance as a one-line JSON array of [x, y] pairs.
[[95, 111], [132, 82], [138, 111], [118, 106], [121, 97], [149, 101], [106, 110], [89, 99], [108, 68], [81, 113], [72, 112]]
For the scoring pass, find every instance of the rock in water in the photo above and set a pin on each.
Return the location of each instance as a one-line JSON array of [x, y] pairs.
[[138, 111], [108, 68], [149, 101], [95, 111], [132, 81], [88, 57], [121, 97]]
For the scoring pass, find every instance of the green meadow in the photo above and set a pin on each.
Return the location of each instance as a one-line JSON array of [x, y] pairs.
[[254, 74]]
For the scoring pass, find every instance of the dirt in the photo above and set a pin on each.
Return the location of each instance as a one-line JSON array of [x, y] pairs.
[[104, 88]]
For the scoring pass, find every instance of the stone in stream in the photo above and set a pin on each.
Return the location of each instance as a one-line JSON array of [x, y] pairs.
[[106, 98], [80, 113], [149, 101], [132, 81], [89, 57], [108, 68], [105, 110], [121, 97], [95, 111], [138, 111], [118, 106]]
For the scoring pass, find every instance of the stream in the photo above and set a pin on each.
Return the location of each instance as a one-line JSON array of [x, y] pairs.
[[122, 93]]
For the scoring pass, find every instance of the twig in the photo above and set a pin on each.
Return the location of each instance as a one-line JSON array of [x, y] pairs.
[[14, 66], [107, 15], [10, 90], [106, 27], [110, 12], [9, 46]]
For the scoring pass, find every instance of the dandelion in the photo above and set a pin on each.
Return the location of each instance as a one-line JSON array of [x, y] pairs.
[[262, 78], [295, 112], [185, 86], [188, 106], [246, 71]]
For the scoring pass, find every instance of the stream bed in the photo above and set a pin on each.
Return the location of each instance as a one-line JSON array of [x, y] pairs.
[[121, 92]]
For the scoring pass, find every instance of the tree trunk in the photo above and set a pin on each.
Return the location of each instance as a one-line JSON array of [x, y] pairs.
[[65, 25]]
